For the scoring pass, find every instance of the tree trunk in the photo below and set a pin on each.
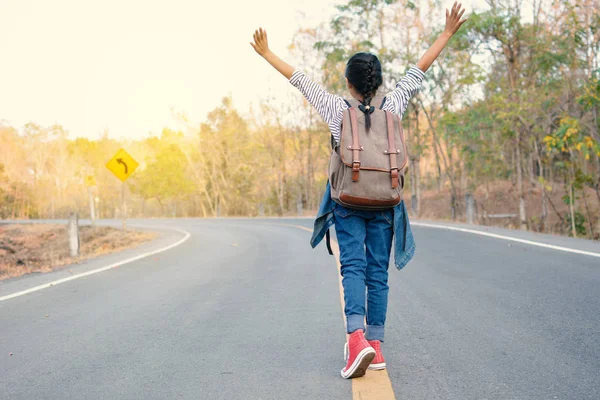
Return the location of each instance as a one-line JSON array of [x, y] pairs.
[[572, 210], [598, 189], [417, 166], [438, 168], [436, 142], [281, 192], [464, 178], [598, 177], [309, 173], [530, 169], [418, 184], [570, 179], [511, 48], [418, 161], [562, 220], [542, 183], [14, 207], [160, 203], [588, 215], [411, 169], [412, 183], [522, 214], [543, 225]]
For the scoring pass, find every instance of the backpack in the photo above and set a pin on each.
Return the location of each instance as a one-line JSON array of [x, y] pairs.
[[366, 169]]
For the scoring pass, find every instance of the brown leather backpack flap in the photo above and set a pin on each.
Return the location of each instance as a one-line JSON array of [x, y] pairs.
[[374, 145]]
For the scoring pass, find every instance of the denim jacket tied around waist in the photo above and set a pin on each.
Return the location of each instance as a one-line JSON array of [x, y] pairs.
[[404, 242]]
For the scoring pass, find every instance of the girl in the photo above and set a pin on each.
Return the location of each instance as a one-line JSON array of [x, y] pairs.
[[365, 237]]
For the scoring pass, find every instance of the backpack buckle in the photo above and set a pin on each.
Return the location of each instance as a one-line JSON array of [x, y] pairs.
[[395, 178], [355, 170]]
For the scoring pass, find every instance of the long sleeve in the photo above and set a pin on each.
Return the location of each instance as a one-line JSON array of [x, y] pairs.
[[330, 106], [405, 89]]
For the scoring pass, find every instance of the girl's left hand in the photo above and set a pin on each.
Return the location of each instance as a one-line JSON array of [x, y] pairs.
[[261, 44], [453, 22]]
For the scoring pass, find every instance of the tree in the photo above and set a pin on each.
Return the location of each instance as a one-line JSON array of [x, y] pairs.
[[165, 177]]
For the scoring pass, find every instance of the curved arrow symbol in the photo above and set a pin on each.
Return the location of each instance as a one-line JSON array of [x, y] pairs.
[[120, 161]]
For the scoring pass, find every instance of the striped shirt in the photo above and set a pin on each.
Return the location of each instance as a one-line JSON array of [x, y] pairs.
[[331, 106]]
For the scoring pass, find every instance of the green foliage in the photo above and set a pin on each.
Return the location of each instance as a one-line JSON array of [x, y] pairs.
[[570, 137], [580, 224], [165, 176], [471, 132], [590, 97]]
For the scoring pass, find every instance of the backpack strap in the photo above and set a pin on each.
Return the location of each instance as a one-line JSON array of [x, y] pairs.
[[356, 147], [382, 103], [392, 150], [328, 241], [332, 139]]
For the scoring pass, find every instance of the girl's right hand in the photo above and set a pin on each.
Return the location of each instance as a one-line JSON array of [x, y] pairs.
[[261, 44], [453, 22]]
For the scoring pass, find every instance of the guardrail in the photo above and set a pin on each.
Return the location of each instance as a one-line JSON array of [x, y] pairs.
[[499, 215]]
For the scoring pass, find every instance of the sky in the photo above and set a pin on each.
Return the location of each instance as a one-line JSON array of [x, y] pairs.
[[128, 66]]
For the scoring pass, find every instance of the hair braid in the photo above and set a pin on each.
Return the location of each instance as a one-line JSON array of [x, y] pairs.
[[364, 73], [369, 94]]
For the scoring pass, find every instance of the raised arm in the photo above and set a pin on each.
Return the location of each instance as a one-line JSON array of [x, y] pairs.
[[261, 46], [453, 24], [405, 89], [328, 105]]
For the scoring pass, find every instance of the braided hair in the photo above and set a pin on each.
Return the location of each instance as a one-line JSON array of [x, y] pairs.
[[363, 71]]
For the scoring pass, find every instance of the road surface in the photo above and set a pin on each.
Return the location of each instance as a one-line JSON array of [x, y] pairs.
[[245, 309]]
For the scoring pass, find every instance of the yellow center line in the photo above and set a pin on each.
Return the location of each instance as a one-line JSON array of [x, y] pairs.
[[375, 385]]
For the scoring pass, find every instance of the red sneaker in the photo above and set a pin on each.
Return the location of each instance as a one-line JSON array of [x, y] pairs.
[[378, 362], [359, 355]]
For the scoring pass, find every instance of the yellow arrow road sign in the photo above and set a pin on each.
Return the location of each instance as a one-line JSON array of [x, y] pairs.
[[122, 165]]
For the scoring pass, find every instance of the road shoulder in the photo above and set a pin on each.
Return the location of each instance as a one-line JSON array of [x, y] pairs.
[[542, 238], [166, 237]]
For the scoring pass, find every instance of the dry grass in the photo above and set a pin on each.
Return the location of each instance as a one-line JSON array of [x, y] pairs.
[[26, 249]]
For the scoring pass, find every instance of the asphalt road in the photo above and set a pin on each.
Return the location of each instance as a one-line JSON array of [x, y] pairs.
[[245, 309]]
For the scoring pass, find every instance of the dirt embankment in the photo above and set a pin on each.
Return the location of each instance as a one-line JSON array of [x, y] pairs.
[[502, 198], [27, 249]]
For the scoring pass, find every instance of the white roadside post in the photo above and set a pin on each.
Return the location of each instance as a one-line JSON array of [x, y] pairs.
[[73, 231], [470, 200]]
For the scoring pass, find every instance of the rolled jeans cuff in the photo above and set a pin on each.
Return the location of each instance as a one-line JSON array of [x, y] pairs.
[[354, 323], [375, 332]]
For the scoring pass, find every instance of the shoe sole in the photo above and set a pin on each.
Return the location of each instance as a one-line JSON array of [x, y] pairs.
[[377, 367], [360, 365]]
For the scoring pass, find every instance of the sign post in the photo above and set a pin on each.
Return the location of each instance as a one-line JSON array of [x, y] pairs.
[[124, 205], [122, 165]]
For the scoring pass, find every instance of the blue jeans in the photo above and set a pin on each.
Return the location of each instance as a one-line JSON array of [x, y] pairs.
[[365, 240]]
